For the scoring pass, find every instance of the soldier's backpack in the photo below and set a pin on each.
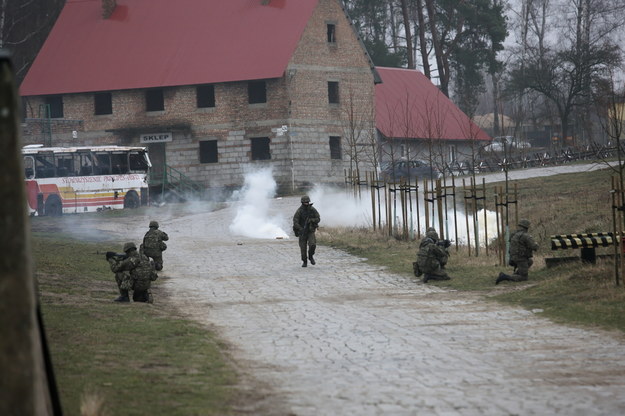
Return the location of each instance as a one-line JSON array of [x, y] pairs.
[[152, 243]]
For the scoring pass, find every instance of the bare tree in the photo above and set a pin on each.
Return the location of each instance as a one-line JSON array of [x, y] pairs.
[[24, 26]]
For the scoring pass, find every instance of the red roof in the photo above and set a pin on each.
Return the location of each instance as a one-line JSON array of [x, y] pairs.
[[159, 43], [408, 105]]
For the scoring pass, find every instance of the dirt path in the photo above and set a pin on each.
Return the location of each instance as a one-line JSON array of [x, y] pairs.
[[347, 338]]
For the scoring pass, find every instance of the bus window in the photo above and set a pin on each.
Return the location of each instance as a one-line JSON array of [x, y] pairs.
[[102, 163], [64, 165], [119, 161], [29, 167], [138, 162], [44, 165], [85, 163]]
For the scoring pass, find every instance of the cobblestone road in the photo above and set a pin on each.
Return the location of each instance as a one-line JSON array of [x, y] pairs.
[[347, 338]]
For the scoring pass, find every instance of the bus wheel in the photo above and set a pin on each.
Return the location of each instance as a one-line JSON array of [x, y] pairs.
[[54, 207], [131, 200]]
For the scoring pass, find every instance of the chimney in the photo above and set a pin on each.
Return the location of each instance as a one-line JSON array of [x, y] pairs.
[[108, 6]]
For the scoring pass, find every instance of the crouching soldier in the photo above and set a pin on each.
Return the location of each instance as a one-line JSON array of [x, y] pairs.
[[154, 244], [133, 271], [431, 258], [522, 247]]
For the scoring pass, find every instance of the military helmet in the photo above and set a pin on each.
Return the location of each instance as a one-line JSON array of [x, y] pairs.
[[524, 223], [431, 233], [129, 246], [430, 229], [305, 199], [153, 224]]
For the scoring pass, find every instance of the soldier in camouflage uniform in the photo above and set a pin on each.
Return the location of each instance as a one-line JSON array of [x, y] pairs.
[[305, 223], [154, 244], [133, 272], [522, 247], [431, 258]]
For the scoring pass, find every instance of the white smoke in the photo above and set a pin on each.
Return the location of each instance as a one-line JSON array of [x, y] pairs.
[[340, 208], [253, 218]]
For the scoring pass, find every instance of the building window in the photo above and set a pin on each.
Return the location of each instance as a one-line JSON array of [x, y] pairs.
[[331, 30], [256, 92], [333, 92], [103, 103], [54, 104], [205, 95], [335, 147], [208, 151], [260, 148], [154, 100]]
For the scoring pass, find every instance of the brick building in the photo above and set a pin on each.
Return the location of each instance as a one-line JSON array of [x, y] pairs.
[[208, 85]]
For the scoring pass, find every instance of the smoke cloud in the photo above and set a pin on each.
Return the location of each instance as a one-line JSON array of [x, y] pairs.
[[253, 217]]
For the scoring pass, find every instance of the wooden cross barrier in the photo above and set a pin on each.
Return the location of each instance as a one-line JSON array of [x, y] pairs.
[[586, 242]]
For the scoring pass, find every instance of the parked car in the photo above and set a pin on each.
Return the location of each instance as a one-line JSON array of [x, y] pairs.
[[497, 145], [409, 169]]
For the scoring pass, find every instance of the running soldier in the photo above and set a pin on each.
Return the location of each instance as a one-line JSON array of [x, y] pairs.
[[154, 244], [305, 223], [522, 247]]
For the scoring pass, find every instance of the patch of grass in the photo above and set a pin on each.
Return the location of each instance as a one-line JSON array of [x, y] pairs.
[[133, 359], [560, 204]]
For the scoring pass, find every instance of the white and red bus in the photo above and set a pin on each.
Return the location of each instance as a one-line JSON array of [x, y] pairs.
[[62, 180]]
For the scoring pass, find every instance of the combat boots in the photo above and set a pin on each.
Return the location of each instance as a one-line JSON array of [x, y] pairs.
[[304, 264], [502, 276], [311, 252], [123, 297]]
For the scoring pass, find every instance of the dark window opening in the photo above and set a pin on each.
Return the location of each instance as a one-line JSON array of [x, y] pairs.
[[260, 148], [102, 164], [208, 151], [138, 162], [55, 106], [103, 103], [205, 96], [333, 92], [154, 100], [119, 163], [335, 147], [257, 92], [331, 33]]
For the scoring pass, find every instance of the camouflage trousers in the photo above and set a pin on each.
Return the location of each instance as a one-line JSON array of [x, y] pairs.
[[158, 261], [124, 282], [521, 270], [307, 240]]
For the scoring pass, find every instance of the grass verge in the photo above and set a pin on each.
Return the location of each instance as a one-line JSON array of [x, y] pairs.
[[573, 293], [125, 359]]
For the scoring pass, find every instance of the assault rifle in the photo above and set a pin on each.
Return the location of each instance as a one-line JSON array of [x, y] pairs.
[[116, 256], [444, 243]]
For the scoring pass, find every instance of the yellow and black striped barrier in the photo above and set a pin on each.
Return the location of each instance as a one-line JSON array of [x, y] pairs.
[[587, 242]]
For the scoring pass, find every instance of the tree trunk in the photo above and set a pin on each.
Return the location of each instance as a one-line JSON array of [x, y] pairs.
[[406, 15], [425, 59]]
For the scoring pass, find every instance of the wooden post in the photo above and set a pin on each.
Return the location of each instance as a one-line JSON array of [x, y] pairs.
[[439, 206], [466, 215], [617, 255], [485, 216], [453, 187], [27, 385], [426, 207]]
